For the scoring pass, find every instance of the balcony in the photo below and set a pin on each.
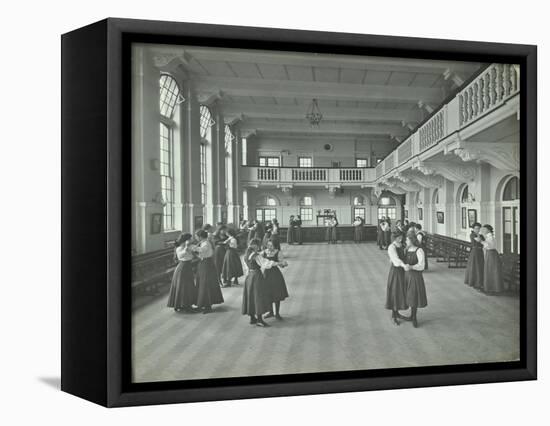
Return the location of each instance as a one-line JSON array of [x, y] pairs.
[[311, 176]]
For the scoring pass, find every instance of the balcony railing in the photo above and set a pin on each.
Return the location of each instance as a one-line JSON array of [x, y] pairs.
[[312, 175]]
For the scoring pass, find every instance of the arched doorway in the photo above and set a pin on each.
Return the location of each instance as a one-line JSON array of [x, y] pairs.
[[510, 216]]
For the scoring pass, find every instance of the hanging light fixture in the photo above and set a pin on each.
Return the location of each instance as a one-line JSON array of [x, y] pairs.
[[313, 114]]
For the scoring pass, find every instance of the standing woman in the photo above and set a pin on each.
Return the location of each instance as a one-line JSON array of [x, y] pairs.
[[183, 293], [274, 280], [220, 248], [331, 230], [387, 233], [414, 281], [290, 232], [422, 240], [267, 234], [275, 234], [476, 263], [380, 235], [492, 271], [232, 268], [209, 287], [252, 227], [358, 230], [255, 295], [396, 294], [298, 229]]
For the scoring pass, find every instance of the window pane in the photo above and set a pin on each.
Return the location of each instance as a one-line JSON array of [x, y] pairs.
[[305, 162], [306, 213], [360, 162], [169, 92]]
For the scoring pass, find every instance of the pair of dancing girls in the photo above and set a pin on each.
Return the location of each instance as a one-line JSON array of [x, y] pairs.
[[195, 284], [405, 288], [264, 286]]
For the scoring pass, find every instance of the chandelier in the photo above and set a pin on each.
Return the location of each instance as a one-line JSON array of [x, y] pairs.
[[313, 114]]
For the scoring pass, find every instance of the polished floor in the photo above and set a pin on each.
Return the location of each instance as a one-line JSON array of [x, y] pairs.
[[334, 320]]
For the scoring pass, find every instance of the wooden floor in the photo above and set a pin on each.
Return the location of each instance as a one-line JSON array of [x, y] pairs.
[[334, 320]]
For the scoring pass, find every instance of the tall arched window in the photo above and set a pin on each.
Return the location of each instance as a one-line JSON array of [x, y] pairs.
[[306, 208], [387, 207], [465, 200], [358, 209], [169, 99], [265, 208], [510, 216], [206, 123], [465, 196]]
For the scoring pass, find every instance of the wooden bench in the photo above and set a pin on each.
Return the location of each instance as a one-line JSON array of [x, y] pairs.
[[149, 270], [449, 250]]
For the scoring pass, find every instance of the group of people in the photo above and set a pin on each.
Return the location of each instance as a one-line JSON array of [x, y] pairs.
[[254, 229], [406, 288], [386, 230], [484, 268], [211, 260], [294, 232]]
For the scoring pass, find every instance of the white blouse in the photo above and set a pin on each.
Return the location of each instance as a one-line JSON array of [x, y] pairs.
[[184, 253], [490, 242], [205, 249], [231, 242], [420, 256]]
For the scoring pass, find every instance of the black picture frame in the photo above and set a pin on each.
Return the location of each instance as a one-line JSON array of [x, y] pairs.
[[464, 218], [95, 166], [420, 213], [472, 217], [440, 217]]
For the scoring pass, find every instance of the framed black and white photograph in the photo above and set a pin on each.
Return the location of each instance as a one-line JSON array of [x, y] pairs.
[[472, 217], [238, 268]]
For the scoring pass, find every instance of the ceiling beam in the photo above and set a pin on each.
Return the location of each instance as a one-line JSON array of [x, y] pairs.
[[325, 127], [373, 63], [309, 90], [334, 113]]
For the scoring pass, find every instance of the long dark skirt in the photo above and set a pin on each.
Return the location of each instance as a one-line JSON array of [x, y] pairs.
[[290, 235], [492, 272], [387, 238], [275, 284], [331, 234], [474, 270], [219, 256], [232, 266], [183, 292], [396, 293], [255, 294], [298, 234], [358, 234], [416, 289], [210, 292], [380, 238], [276, 241]]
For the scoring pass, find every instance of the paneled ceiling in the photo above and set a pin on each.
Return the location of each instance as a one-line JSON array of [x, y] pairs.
[[268, 93]]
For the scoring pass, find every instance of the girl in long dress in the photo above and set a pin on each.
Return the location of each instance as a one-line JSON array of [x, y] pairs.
[[183, 293], [396, 294], [298, 230], [358, 229], [232, 268], [290, 232], [383, 229], [275, 234], [267, 234], [208, 282], [219, 237], [331, 235], [387, 233], [256, 300], [422, 240], [414, 281], [274, 280], [476, 262], [492, 271]]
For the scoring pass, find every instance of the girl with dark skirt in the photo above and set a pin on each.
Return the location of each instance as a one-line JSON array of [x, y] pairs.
[[476, 263], [275, 234], [208, 282], [422, 240], [290, 232], [267, 234], [220, 248], [383, 229], [414, 281], [358, 230], [298, 230], [256, 300], [396, 294], [183, 293], [387, 234], [331, 234], [492, 270], [274, 280], [232, 268]]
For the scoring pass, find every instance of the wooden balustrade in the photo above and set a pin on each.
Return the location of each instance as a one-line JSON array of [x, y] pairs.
[[309, 175], [490, 89], [351, 175], [432, 131], [389, 163], [268, 174], [404, 151]]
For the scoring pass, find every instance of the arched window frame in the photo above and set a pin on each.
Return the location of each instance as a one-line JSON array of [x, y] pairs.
[[512, 186], [170, 95]]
